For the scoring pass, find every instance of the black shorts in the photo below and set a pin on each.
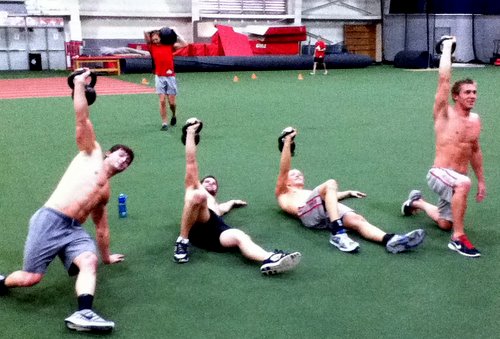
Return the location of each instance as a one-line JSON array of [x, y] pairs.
[[319, 60], [206, 235]]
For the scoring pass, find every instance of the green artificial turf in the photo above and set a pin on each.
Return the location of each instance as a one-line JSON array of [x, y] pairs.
[[370, 129]]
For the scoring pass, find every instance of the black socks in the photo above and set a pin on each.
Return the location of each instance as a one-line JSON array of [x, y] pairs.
[[386, 238], [85, 302], [336, 226], [3, 289]]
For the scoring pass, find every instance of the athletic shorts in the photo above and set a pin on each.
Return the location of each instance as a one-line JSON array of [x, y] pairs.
[[313, 213], [319, 60], [51, 234], [207, 235], [443, 181], [166, 85]]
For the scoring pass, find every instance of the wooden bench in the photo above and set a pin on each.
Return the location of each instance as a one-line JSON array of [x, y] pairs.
[[107, 64]]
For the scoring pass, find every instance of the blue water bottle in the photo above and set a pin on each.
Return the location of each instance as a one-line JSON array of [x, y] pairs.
[[122, 205]]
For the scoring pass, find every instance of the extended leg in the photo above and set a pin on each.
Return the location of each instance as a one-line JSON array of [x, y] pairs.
[[163, 111], [272, 262], [173, 107]]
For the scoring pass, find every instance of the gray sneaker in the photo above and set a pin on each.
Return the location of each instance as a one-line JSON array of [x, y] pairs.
[[280, 262], [406, 208], [343, 242], [88, 320], [402, 243]]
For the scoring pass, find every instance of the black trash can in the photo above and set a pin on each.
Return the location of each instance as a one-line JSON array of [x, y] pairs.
[[35, 60]]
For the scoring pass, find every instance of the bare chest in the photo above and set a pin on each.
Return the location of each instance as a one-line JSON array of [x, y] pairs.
[[458, 129]]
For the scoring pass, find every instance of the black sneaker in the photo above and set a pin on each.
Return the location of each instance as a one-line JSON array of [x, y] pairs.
[[463, 246], [407, 208], [280, 262], [181, 254], [164, 127], [173, 121]]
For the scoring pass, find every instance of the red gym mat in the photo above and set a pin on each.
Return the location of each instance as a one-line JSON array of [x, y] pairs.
[[233, 44]]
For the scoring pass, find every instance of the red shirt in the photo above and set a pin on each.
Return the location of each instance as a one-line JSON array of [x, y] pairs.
[[319, 49], [163, 59]]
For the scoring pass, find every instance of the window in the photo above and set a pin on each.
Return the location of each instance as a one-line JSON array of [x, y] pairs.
[[273, 7]]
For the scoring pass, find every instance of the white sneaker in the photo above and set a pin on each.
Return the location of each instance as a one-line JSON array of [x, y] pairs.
[[88, 320], [343, 242], [402, 243], [407, 208]]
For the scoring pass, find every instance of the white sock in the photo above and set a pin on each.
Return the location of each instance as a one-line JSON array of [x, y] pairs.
[[182, 240]]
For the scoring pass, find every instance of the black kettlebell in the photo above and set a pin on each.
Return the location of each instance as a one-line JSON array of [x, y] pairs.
[[90, 92], [168, 36], [191, 122], [281, 140], [439, 46]]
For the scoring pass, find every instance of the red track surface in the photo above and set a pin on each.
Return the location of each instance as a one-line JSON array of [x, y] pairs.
[[58, 87]]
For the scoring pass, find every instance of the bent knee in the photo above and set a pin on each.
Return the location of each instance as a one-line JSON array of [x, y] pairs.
[[32, 279], [464, 185], [23, 279], [329, 185], [86, 261], [353, 220], [445, 225], [233, 237], [195, 197]]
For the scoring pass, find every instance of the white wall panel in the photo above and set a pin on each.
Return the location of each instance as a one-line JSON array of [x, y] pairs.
[[17, 38], [57, 60], [37, 39], [116, 28], [347, 9], [18, 60], [4, 60], [134, 7], [3, 38]]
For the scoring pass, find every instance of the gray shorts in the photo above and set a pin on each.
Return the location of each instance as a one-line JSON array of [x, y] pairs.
[[52, 233], [313, 213], [166, 85], [443, 181]]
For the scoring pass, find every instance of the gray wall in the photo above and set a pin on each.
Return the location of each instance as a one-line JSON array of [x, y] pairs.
[[477, 32]]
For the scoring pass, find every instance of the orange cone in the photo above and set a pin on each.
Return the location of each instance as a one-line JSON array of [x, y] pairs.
[[254, 76], [300, 77], [145, 81], [236, 79]]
